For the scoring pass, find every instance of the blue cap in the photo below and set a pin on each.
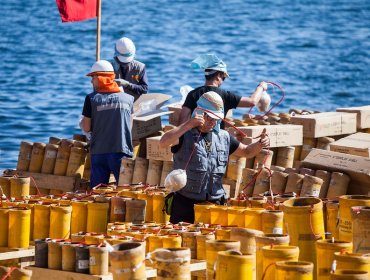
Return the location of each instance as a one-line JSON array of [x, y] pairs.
[[209, 62]]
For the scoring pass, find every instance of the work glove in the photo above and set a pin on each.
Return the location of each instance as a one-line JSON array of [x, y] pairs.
[[122, 82]]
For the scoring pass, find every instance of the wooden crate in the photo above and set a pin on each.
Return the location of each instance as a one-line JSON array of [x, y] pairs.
[[49, 181], [22, 257]]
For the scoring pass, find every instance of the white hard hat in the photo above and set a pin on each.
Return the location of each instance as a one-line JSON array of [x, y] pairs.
[[125, 50], [101, 66]]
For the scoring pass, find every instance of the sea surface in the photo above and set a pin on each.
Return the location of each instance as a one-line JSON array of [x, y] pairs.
[[317, 50]]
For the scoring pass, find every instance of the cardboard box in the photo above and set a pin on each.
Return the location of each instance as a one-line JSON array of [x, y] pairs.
[[153, 151], [362, 113], [174, 117], [358, 168], [357, 144], [280, 135], [326, 124], [147, 113]]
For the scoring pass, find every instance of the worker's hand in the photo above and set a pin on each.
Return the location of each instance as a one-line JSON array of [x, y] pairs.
[[264, 140], [197, 120], [122, 82], [264, 85]]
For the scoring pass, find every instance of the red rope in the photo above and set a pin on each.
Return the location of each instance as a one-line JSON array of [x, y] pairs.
[[6, 276], [267, 267]]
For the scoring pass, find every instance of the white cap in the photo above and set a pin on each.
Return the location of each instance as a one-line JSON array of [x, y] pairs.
[[125, 50], [213, 103], [101, 66]]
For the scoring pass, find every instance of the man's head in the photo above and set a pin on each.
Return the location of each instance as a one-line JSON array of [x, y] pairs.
[[125, 50], [211, 106], [214, 68], [102, 76]]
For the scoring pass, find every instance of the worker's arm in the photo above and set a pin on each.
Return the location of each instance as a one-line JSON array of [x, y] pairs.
[[185, 114], [85, 124], [251, 150], [172, 137], [252, 100]]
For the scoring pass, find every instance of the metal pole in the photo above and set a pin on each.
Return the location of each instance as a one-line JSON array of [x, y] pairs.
[[98, 28]]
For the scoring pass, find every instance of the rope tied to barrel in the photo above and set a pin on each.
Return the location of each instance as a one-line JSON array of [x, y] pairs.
[[265, 271]]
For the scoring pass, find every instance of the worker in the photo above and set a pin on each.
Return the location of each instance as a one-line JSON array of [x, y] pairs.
[[107, 115], [215, 72], [130, 73], [202, 148]]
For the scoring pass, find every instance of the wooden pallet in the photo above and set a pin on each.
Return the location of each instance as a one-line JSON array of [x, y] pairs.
[[49, 181], [24, 257]]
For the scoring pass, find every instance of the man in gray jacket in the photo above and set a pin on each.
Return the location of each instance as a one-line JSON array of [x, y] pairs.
[[130, 73]]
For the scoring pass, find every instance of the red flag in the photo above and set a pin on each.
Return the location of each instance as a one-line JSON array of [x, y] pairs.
[[76, 10]]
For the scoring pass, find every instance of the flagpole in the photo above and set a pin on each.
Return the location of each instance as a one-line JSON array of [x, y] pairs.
[[98, 28]]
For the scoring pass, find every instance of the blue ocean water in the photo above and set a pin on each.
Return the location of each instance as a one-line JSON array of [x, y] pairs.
[[317, 50]]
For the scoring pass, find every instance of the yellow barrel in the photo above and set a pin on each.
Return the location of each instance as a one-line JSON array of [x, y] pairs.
[[202, 213], [311, 186], [4, 226], [272, 221], [41, 221], [285, 156], [341, 274], [61, 162], [55, 254], [19, 228], [257, 201], [166, 169], [97, 217], [155, 242], [140, 170], [247, 239], [173, 264], [20, 274], [264, 240], [218, 215], [338, 185], [5, 186], [263, 157], [275, 253], [278, 181], [172, 241], [98, 263], [79, 216], [50, 158], [361, 229], [149, 205], [60, 221], [201, 244], [325, 250], [212, 249], [189, 240], [24, 156], [37, 157], [127, 261], [223, 233], [253, 218], [345, 217], [154, 172], [352, 261], [304, 222], [232, 265], [235, 216], [235, 167], [93, 238], [294, 183], [68, 256], [262, 183], [290, 270], [76, 162], [248, 180], [325, 176], [20, 187], [127, 171], [159, 216], [30, 206], [332, 218], [78, 237]]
